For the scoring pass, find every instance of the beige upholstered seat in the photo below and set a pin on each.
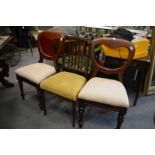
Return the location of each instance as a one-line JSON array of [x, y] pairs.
[[36, 72], [106, 91]]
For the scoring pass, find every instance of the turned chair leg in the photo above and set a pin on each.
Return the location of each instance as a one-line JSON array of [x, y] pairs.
[[42, 104], [73, 113], [120, 118], [81, 114], [20, 82]]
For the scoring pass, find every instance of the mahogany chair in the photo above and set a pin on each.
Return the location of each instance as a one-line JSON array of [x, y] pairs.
[[105, 92], [49, 44], [74, 71]]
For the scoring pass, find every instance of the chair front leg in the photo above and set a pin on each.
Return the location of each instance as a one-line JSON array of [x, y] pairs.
[[73, 113], [81, 113], [120, 118], [42, 104]]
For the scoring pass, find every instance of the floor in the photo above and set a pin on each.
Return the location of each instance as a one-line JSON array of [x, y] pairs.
[[16, 113]]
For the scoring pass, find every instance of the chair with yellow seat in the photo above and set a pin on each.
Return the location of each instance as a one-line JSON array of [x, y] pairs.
[[68, 83], [49, 44], [105, 92]]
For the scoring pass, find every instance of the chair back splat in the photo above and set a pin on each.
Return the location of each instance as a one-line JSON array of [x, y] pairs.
[[75, 55]]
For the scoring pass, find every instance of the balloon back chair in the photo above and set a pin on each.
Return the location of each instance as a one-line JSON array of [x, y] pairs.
[[68, 82], [49, 43], [105, 92]]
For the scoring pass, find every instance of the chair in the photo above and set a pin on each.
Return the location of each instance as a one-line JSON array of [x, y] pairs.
[[74, 70], [104, 92], [49, 44]]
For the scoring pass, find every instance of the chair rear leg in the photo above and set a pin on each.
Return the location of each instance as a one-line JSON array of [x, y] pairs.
[[42, 104], [73, 113], [39, 98], [81, 113], [120, 118], [20, 82]]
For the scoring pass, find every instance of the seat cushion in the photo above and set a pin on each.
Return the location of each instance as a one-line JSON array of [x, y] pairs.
[[36, 72], [106, 91], [64, 84]]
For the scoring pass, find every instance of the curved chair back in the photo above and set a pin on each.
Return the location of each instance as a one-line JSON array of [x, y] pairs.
[[49, 43], [112, 43]]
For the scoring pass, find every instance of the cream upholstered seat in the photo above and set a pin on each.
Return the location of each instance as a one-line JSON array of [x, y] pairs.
[[106, 91], [36, 72], [64, 84]]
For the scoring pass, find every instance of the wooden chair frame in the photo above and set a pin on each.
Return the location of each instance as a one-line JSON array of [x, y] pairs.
[[73, 46], [112, 43], [43, 55]]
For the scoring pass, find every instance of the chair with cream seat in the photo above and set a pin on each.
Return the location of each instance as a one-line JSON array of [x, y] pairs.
[[105, 92], [68, 82], [49, 44]]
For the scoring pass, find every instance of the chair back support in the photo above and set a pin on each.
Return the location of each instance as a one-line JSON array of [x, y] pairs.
[[112, 43], [75, 55], [49, 43]]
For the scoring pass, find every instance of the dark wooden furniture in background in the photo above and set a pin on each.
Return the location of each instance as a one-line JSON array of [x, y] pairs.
[[149, 87], [140, 65], [22, 37], [89, 93], [75, 61], [4, 72], [4, 40], [4, 68], [49, 44]]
